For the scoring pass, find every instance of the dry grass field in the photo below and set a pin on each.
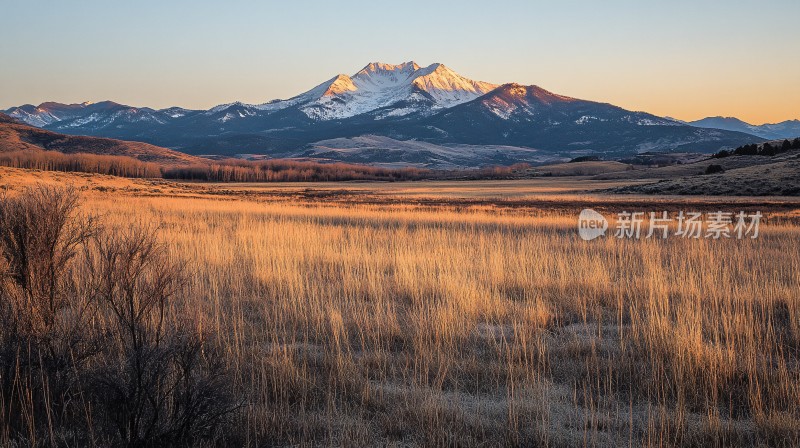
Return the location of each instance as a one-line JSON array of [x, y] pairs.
[[423, 314]]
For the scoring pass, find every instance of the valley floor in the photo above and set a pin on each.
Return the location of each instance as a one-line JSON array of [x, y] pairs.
[[471, 314]]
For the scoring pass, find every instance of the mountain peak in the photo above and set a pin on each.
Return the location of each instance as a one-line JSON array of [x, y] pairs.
[[515, 90], [376, 67], [731, 119], [379, 85], [447, 87], [340, 84], [436, 67]]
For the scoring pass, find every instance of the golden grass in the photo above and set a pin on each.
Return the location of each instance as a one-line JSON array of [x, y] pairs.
[[433, 325]]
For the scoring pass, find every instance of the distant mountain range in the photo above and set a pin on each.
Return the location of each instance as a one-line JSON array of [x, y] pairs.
[[396, 115], [785, 129], [17, 136]]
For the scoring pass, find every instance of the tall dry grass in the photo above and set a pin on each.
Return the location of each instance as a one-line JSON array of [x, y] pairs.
[[400, 325]]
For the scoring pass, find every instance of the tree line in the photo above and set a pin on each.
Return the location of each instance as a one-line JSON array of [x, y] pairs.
[[221, 171], [232, 170], [80, 162], [764, 149], [290, 171]]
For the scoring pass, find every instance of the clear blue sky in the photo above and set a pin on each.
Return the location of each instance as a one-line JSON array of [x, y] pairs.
[[686, 59]]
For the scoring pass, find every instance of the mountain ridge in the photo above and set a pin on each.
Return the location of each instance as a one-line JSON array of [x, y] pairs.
[[781, 130], [403, 102], [17, 136]]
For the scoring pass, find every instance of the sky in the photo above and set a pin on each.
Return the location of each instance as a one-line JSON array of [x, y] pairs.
[[683, 59]]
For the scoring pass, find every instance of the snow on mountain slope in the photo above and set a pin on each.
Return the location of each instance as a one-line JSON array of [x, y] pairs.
[[32, 115], [514, 99], [109, 117], [447, 87], [379, 85], [47, 113], [105, 113], [176, 112], [533, 103]]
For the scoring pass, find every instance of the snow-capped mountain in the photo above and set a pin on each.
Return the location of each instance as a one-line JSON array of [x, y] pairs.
[[425, 115], [377, 86], [90, 115], [771, 131], [47, 113]]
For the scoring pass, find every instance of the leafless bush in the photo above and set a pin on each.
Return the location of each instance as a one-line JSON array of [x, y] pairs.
[[156, 387], [86, 353], [42, 339]]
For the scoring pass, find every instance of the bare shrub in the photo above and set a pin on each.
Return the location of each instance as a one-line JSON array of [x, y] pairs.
[[156, 387], [87, 355], [42, 340], [41, 236]]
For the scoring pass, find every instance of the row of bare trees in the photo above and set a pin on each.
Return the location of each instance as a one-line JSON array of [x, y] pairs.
[[89, 355], [275, 170], [290, 171], [80, 162]]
